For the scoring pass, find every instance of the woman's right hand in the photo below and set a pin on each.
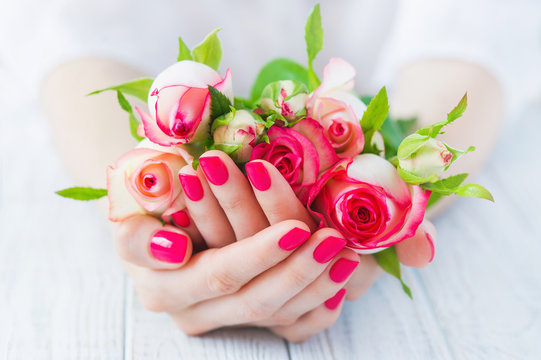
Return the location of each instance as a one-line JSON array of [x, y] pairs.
[[278, 276]]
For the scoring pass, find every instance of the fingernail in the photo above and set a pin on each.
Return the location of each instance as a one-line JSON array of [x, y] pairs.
[[431, 242], [341, 269], [258, 175], [168, 246], [293, 239], [192, 186], [181, 218], [328, 249], [332, 303], [214, 169]]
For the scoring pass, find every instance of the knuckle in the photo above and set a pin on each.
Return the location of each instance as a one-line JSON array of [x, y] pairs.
[[231, 203], [297, 277], [221, 282], [255, 310]]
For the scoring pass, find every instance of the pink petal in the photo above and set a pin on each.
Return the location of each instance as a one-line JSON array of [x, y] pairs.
[[153, 132], [312, 130], [225, 85]]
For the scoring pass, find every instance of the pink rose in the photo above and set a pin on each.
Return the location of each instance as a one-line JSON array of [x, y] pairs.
[[300, 153], [366, 200], [143, 181], [179, 103], [339, 111]]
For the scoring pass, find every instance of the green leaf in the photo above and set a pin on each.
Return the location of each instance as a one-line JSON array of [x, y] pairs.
[[219, 103], [82, 193], [446, 186], [411, 144], [433, 199], [183, 51], [457, 154], [313, 80], [209, 51], [242, 103], [278, 69], [435, 129], [393, 132], [227, 148], [138, 88], [474, 190], [375, 114], [313, 34], [414, 179], [134, 123], [388, 261]]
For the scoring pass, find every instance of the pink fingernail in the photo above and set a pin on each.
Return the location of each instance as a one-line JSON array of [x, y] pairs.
[[293, 239], [181, 218], [168, 246], [258, 175], [332, 303], [192, 186], [214, 169], [328, 249], [431, 242], [341, 269]]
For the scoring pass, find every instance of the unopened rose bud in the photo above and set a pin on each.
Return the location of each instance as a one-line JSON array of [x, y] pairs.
[[431, 158], [286, 97], [237, 132]]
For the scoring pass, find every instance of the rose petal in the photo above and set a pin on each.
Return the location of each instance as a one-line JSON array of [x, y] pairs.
[[153, 132], [312, 130]]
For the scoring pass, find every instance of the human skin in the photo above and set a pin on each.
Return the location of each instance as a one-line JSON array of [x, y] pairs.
[[239, 273]]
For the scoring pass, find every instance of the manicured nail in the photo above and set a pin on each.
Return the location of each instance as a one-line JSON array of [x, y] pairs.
[[168, 246], [258, 175], [214, 169], [431, 242], [328, 249], [192, 186], [341, 269], [332, 303], [181, 218], [293, 239]]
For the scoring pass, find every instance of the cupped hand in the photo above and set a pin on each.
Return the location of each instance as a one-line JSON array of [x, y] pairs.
[[293, 284]]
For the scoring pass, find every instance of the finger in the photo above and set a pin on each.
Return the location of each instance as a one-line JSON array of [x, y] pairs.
[[418, 251], [218, 272], [314, 322], [183, 220], [260, 299], [204, 209], [234, 194], [363, 277], [275, 195], [143, 241]]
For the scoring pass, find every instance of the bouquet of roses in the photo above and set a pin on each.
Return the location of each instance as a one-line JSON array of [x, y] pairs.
[[347, 161]]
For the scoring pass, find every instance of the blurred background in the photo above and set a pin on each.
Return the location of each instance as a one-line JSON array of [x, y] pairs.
[[62, 292]]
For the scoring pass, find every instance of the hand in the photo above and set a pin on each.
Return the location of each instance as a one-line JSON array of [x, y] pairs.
[[244, 283]]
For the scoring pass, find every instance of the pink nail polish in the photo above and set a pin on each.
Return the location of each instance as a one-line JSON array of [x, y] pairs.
[[333, 302], [431, 242], [214, 169], [341, 269], [293, 239], [192, 186], [181, 218], [258, 175], [328, 249], [168, 246]]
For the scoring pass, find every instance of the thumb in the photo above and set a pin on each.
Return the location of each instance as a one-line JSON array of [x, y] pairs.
[[418, 250], [142, 240]]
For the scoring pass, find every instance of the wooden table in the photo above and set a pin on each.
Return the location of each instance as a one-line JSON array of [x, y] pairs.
[[63, 294]]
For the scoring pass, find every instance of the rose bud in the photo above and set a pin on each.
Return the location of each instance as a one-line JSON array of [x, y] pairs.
[[286, 97], [237, 132], [179, 103], [366, 200], [339, 111], [431, 158], [143, 181], [300, 153]]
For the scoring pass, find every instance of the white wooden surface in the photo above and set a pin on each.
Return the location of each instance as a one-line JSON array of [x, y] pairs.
[[63, 294]]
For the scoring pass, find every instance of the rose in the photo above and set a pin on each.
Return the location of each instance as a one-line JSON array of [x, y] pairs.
[[366, 200], [237, 132], [300, 153], [337, 109], [143, 181], [432, 157], [285, 97], [179, 103]]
